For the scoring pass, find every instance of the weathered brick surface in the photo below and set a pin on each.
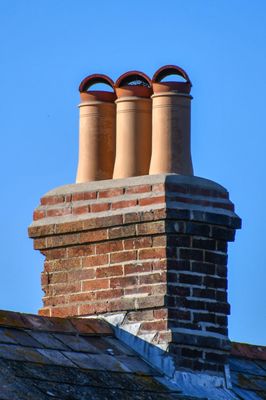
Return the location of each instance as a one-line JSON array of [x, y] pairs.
[[157, 251]]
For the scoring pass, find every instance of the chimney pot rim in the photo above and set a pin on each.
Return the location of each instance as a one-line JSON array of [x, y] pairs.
[[97, 95]]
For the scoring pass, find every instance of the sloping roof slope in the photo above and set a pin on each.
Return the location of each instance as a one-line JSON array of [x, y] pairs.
[[248, 371], [72, 359]]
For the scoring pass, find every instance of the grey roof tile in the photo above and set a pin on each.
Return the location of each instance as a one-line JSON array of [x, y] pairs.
[[243, 365], [248, 395], [21, 337], [55, 357], [83, 360], [20, 353], [77, 343], [48, 340], [5, 336]]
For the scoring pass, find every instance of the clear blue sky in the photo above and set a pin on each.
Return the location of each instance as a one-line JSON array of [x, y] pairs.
[[47, 47]]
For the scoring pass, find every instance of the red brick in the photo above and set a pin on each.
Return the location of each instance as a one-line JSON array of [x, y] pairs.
[[159, 252], [154, 325], [44, 278], [63, 240], [120, 304], [80, 210], [137, 268], [95, 261], [138, 189], [110, 193], [159, 265], [58, 277], [52, 200], [160, 313], [65, 311], [93, 236], [45, 312], [152, 278], [66, 288], [81, 297], [159, 214], [114, 270], [137, 243], [62, 265], [81, 274], [67, 198], [83, 250], [124, 204], [226, 206], [83, 196], [123, 281], [100, 222], [151, 200], [55, 253], [136, 316], [41, 230], [151, 228], [55, 300], [109, 294], [159, 241], [96, 284], [150, 301], [67, 227], [109, 247], [39, 243], [137, 290], [131, 217], [57, 212], [39, 214], [98, 207], [90, 309], [122, 231], [122, 256]]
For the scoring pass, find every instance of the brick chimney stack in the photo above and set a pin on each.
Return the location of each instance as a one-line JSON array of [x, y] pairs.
[[151, 250]]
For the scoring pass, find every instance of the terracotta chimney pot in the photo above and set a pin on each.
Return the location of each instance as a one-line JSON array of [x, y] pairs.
[[133, 125], [171, 109], [96, 131]]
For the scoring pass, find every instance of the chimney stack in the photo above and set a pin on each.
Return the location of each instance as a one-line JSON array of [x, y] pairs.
[[96, 130], [148, 251]]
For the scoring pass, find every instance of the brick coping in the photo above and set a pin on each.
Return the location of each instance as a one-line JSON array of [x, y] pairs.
[[138, 180]]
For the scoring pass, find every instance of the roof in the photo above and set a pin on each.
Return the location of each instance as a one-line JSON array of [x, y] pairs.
[[77, 358], [72, 359], [248, 371]]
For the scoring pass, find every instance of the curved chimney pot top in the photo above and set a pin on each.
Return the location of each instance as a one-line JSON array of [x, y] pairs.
[[129, 77], [133, 83], [96, 95], [93, 79], [167, 70], [163, 72]]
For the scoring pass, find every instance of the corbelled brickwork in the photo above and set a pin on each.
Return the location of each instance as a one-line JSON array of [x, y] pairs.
[[153, 248]]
